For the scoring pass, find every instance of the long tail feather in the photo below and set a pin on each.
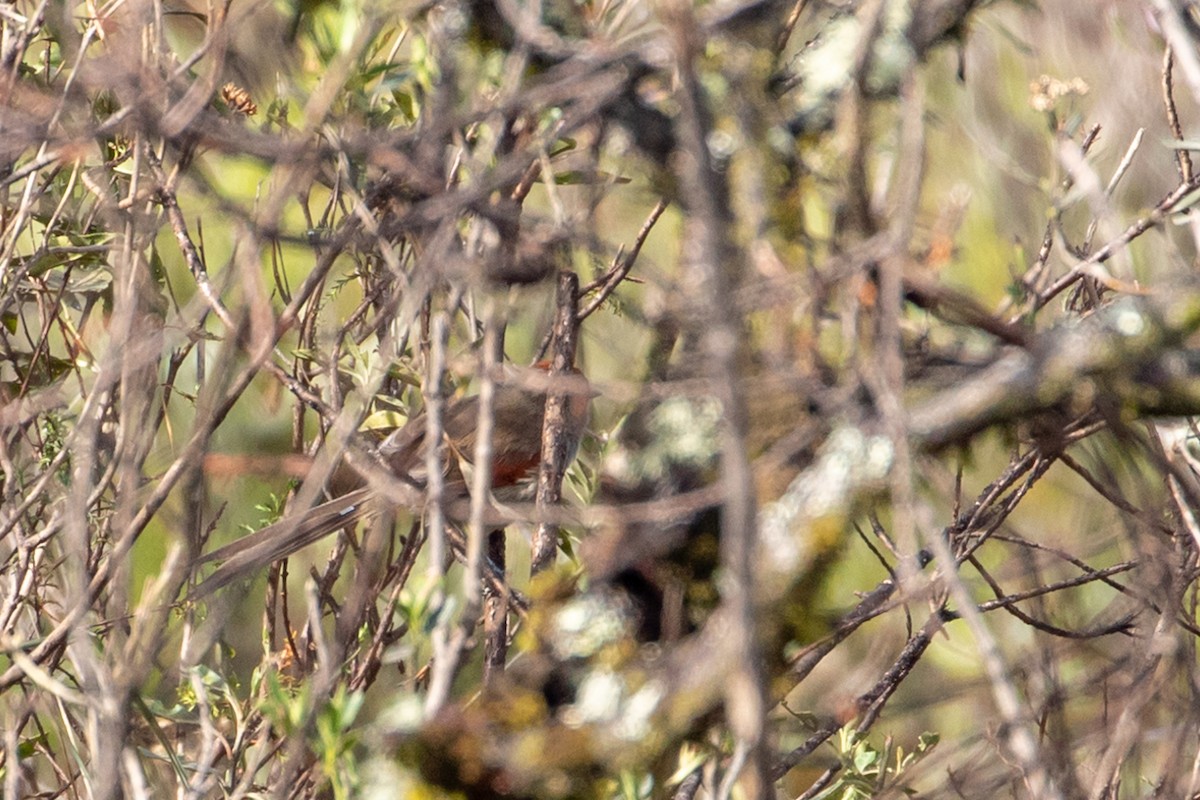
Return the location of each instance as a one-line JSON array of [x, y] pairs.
[[282, 539]]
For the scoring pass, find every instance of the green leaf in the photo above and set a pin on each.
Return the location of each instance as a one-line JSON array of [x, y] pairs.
[[1186, 202], [564, 145], [576, 177]]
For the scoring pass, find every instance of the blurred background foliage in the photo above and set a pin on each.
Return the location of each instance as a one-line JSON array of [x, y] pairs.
[[229, 235]]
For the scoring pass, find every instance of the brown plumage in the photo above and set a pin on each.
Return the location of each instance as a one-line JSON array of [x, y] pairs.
[[518, 412]]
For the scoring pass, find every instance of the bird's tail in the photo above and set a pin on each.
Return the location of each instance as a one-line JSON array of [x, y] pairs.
[[281, 539]]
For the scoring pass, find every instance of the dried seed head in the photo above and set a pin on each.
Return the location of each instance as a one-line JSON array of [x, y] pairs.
[[238, 99]]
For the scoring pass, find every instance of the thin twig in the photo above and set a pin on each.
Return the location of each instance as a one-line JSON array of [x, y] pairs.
[[1182, 157], [622, 264]]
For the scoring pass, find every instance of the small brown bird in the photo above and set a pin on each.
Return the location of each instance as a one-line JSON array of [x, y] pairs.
[[518, 411]]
